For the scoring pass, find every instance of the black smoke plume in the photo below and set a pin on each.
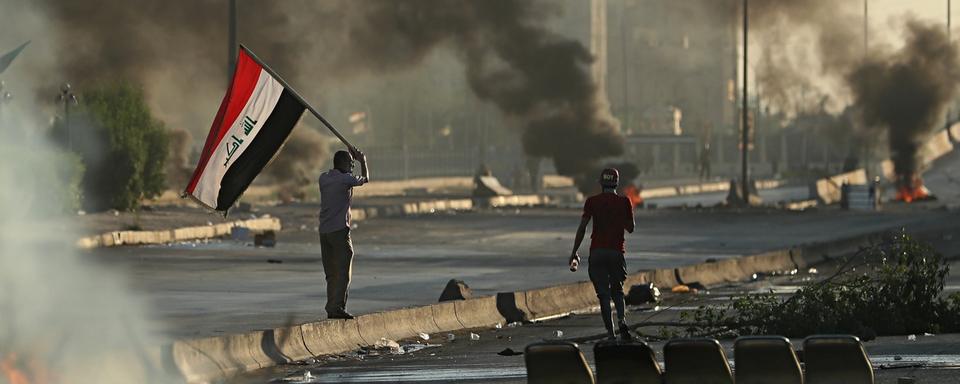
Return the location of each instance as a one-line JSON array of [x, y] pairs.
[[539, 79], [906, 93]]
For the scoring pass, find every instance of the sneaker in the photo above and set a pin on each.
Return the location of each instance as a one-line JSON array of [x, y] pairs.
[[340, 315]]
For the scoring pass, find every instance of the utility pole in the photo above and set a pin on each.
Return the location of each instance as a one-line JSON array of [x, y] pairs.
[[67, 97], [232, 46], [626, 71], [866, 22], [745, 134]]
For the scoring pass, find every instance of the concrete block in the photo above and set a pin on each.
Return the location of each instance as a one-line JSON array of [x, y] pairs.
[[288, 342], [560, 299], [664, 277], [456, 290], [827, 190], [513, 306], [332, 336], [202, 360], [445, 316], [478, 312], [397, 324], [707, 274]]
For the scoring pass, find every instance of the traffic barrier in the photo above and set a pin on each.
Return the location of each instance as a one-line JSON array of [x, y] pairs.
[[164, 236], [206, 359]]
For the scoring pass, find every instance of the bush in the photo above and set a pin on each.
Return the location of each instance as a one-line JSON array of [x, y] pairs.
[[122, 145], [887, 289]]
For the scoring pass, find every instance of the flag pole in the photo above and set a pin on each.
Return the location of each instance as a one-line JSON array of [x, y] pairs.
[[297, 96]]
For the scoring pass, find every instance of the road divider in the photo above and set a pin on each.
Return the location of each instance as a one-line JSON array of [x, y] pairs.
[[165, 236], [214, 358]]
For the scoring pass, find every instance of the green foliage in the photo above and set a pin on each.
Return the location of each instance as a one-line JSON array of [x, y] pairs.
[[895, 288], [123, 146]]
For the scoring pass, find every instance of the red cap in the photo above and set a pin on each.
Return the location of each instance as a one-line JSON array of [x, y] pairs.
[[610, 177]]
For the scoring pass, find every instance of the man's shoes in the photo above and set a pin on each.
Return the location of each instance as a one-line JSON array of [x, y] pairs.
[[340, 315], [625, 332]]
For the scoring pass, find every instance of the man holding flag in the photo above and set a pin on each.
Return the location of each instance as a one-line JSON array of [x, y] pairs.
[[336, 191], [255, 118]]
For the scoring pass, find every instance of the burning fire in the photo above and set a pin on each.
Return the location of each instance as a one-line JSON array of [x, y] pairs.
[[910, 188], [633, 193], [12, 368]]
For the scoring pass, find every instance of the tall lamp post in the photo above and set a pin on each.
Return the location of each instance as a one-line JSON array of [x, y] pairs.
[[67, 98], [745, 128], [232, 46]]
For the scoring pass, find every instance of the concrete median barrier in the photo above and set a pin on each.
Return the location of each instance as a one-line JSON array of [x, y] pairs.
[[164, 236], [214, 358]]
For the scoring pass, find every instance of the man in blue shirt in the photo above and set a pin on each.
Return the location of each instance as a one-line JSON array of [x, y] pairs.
[[336, 191]]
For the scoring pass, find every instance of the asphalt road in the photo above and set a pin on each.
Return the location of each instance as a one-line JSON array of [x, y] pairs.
[[210, 288]]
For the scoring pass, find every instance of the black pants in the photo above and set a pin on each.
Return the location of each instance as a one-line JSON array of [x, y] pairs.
[[608, 270], [337, 256]]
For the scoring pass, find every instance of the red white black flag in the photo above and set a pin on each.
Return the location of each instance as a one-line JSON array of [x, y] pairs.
[[254, 120]]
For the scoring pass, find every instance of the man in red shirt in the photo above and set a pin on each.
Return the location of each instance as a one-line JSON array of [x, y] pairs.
[[612, 214]]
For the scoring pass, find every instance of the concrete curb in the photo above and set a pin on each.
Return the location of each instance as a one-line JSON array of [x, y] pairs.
[[448, 205], [213, 358], [164, 236]]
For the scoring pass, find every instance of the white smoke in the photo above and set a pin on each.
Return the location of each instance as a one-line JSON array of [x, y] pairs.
[[62, 318]]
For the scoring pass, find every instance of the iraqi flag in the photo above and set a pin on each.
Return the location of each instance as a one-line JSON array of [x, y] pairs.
[[255, 118]]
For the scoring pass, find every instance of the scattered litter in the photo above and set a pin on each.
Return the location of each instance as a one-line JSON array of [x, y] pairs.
[[928, 334], [754, 277], [474, 337], [656, 308], [385, 343], [812, 271], [414, 347], [423, 336], [275, 261], [307, 375], [81, 213], [558, 333], [451, 337], [498, 326], [514, 324], [303, 227], [509, 352], [898, 358], [912, 338]]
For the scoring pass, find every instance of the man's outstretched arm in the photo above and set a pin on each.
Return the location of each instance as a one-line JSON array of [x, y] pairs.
[[581, 231], [362, 158]]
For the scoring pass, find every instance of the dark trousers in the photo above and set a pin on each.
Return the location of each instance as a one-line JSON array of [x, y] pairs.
[[337, 255], [608, 270]]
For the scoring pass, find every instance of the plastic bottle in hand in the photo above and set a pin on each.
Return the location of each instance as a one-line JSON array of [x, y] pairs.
[[574, 264]]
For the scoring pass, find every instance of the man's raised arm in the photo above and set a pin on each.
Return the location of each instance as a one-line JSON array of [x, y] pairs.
[[362, 158]]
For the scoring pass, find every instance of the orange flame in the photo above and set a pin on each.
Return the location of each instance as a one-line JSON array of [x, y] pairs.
[[910, 189], [633, 193], [12, 368]]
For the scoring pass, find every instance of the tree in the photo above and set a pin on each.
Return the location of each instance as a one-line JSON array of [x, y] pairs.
[[122, 145]]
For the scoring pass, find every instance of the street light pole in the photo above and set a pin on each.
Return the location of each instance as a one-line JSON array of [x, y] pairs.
[[745, 135], [866, 23], [67, 97], [232, 45]]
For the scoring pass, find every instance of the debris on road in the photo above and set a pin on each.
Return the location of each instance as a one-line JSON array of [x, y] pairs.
[[509, 352]]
